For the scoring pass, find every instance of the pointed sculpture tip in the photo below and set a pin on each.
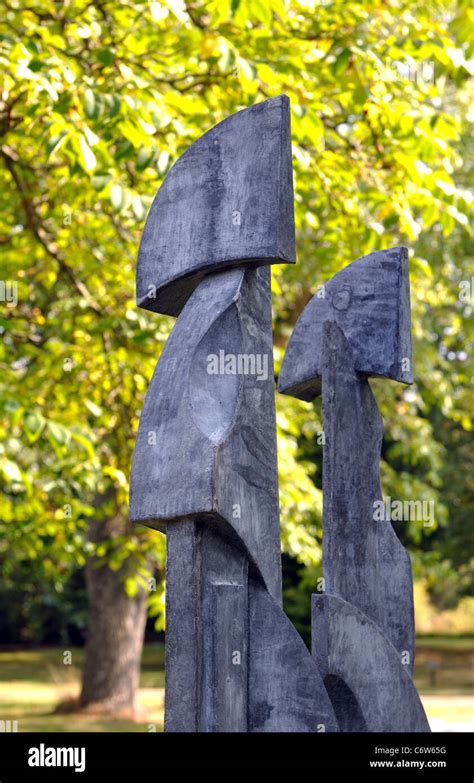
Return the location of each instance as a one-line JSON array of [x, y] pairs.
[[370, 300], [227, 201]]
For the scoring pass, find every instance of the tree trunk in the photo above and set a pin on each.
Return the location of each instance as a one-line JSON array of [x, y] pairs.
[[115, 633]]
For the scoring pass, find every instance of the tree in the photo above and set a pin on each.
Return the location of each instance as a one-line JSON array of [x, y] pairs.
[[99, 99]]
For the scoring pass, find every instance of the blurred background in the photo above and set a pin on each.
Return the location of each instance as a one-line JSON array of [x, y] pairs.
[[97, 101]]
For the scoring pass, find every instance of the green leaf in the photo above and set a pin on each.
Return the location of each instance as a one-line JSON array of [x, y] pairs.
[[85, 443], [10, 471], [56, 142], [341, 62], [96, 410], [113, 104], [100, 181], [106, 56], [138, 208], [123, 149], [34, 425], [144, 159], [35, 65], [91, 104], [87, 158], [58, 433], [117, 197]]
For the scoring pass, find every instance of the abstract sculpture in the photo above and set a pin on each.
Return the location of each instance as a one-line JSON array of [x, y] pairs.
[[363, 626], [205, 469]]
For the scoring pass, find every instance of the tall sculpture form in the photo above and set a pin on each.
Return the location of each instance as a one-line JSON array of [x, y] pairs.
[[205, 470]]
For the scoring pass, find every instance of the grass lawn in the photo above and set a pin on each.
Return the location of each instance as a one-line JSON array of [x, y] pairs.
[[33, 682]]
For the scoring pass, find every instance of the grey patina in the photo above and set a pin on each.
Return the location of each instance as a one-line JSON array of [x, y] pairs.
[[227, 200], [358, 325], [205, 466]]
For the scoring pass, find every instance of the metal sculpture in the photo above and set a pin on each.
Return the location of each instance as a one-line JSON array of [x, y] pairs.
[[205, 467], [358, 326]]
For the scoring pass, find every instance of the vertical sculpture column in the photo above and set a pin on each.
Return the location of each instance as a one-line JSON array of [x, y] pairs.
[[363, 627], [221, 472], [204, 468]]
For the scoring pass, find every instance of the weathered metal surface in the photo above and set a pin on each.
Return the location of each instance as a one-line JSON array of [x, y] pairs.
[[370, 301], [363, 561], [228, 200], [205, 466], [370, 689], [206, 443]]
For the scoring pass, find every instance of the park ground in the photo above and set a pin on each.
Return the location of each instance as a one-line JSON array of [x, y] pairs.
[[33, 682]]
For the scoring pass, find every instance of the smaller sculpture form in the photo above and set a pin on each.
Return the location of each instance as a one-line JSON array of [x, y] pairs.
[[363, 625]]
